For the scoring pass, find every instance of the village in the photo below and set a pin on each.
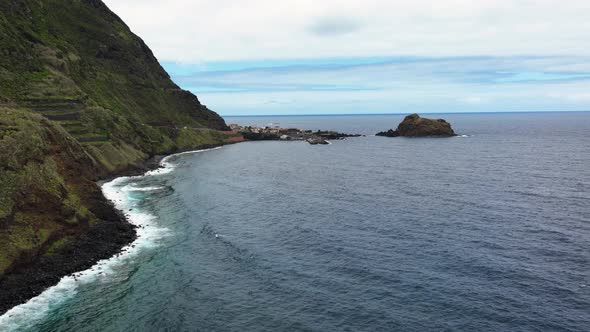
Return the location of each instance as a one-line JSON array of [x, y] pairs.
[[276, 133]]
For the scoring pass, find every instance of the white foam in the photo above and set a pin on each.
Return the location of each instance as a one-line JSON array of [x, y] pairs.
[[134, 188], [166, 166], [165, 160], [149, 235]]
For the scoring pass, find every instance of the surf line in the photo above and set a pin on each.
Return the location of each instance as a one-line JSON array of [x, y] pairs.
[[148, 235]]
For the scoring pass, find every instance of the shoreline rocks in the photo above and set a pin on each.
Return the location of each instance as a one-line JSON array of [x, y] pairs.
[[415, 126], [104, 240], [292, 134]]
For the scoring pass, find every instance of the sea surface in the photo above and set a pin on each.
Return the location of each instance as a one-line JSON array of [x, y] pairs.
[[489, 231]]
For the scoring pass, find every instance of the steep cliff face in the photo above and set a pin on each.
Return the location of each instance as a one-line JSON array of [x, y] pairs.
[[81, 98], [53, 218], [77, 63], [38, 190]]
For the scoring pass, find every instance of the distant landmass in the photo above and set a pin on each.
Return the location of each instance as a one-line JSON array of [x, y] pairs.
[[415, 126]]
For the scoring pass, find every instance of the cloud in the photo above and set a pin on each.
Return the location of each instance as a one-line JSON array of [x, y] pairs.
[[373, 56], [334, 26], [205, 30]]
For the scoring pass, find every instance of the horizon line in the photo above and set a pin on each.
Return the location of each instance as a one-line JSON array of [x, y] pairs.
[[399, 113]]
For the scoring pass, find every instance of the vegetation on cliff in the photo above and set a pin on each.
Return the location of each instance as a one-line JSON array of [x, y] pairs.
[[53, 218], [77, 63], [36, 200], [81, 98]]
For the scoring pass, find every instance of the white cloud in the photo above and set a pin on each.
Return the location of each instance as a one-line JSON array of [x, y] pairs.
[[205, 30], [515, 36]]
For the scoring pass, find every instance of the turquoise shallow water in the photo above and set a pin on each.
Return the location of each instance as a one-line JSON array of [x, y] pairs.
[[489, 232]]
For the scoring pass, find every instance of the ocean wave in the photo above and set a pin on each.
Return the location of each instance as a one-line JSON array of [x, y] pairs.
[[134, 188], [166, 166], [149, 234]]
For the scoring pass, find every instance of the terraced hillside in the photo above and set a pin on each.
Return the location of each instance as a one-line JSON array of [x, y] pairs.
[[67, 113], [77, 63], [81, 98]]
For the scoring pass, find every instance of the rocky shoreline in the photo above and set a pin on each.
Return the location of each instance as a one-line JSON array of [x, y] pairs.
[[101, 241], [108, 237], [276, 133], [78, 106]]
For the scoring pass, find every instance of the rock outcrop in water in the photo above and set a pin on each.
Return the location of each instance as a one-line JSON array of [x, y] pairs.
[[415, 126]]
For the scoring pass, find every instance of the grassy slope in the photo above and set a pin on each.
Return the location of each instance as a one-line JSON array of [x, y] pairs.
[[44, 185], [81, 97]]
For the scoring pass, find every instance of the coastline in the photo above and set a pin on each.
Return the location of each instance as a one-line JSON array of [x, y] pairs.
[[103, 242]]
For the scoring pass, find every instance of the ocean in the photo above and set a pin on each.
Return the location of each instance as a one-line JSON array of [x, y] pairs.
[[488, 231]]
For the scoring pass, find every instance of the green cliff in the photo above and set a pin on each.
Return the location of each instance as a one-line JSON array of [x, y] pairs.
[[81, 98]]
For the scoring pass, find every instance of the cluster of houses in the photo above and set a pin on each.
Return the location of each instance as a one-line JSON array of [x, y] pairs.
[[268, 133], [272, 131]]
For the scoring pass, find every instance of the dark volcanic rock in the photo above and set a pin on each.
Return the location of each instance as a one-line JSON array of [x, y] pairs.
[[389, 133], [415, 126], [100, 242], [334, 135]]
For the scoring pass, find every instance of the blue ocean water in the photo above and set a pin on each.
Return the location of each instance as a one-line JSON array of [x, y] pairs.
[[485, 232]]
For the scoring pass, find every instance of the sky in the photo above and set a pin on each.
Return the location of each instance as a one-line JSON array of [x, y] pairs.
[[246, 57]]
